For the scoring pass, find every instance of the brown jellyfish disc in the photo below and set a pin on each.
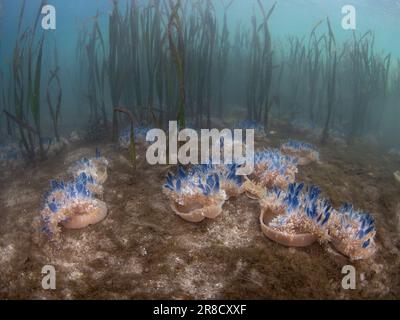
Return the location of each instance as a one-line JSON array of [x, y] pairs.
[[283, 238], [197, 212], [80, 221], [191, 212], [350, 252]]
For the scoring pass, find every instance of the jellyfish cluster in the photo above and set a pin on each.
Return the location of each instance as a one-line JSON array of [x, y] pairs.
[[304, 152], [291, 213], [125, 135], [205, 185], [201, 191], [75, 204], [298, 211]]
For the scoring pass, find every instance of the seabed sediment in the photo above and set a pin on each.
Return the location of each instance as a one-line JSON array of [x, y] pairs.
[[143, 250]]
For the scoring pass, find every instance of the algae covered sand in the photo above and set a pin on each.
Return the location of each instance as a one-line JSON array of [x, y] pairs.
[[143, 250]]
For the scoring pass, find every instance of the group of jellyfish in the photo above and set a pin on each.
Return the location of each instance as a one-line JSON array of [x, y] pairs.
[[77, 203], [291, 214]]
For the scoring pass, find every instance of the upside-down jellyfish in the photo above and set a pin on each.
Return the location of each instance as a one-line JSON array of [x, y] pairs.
[[305, 153], [195, 196]]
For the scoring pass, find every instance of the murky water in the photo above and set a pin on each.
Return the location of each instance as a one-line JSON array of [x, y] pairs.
[[83, 82]]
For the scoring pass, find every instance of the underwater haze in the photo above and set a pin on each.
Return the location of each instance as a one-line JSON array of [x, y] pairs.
[[84, 82], [290, 21]]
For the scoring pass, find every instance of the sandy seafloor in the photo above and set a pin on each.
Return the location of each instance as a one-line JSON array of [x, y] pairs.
[[144, 251]]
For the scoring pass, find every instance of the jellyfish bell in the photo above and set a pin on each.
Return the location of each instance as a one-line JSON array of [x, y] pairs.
[[85, 214], [195, 195], [280, 221], [300, 239], [191, 212], [73, 214], [197, 211]]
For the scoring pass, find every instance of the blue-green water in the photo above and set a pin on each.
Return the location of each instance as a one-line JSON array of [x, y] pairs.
[[291, 19], [294, 17]]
